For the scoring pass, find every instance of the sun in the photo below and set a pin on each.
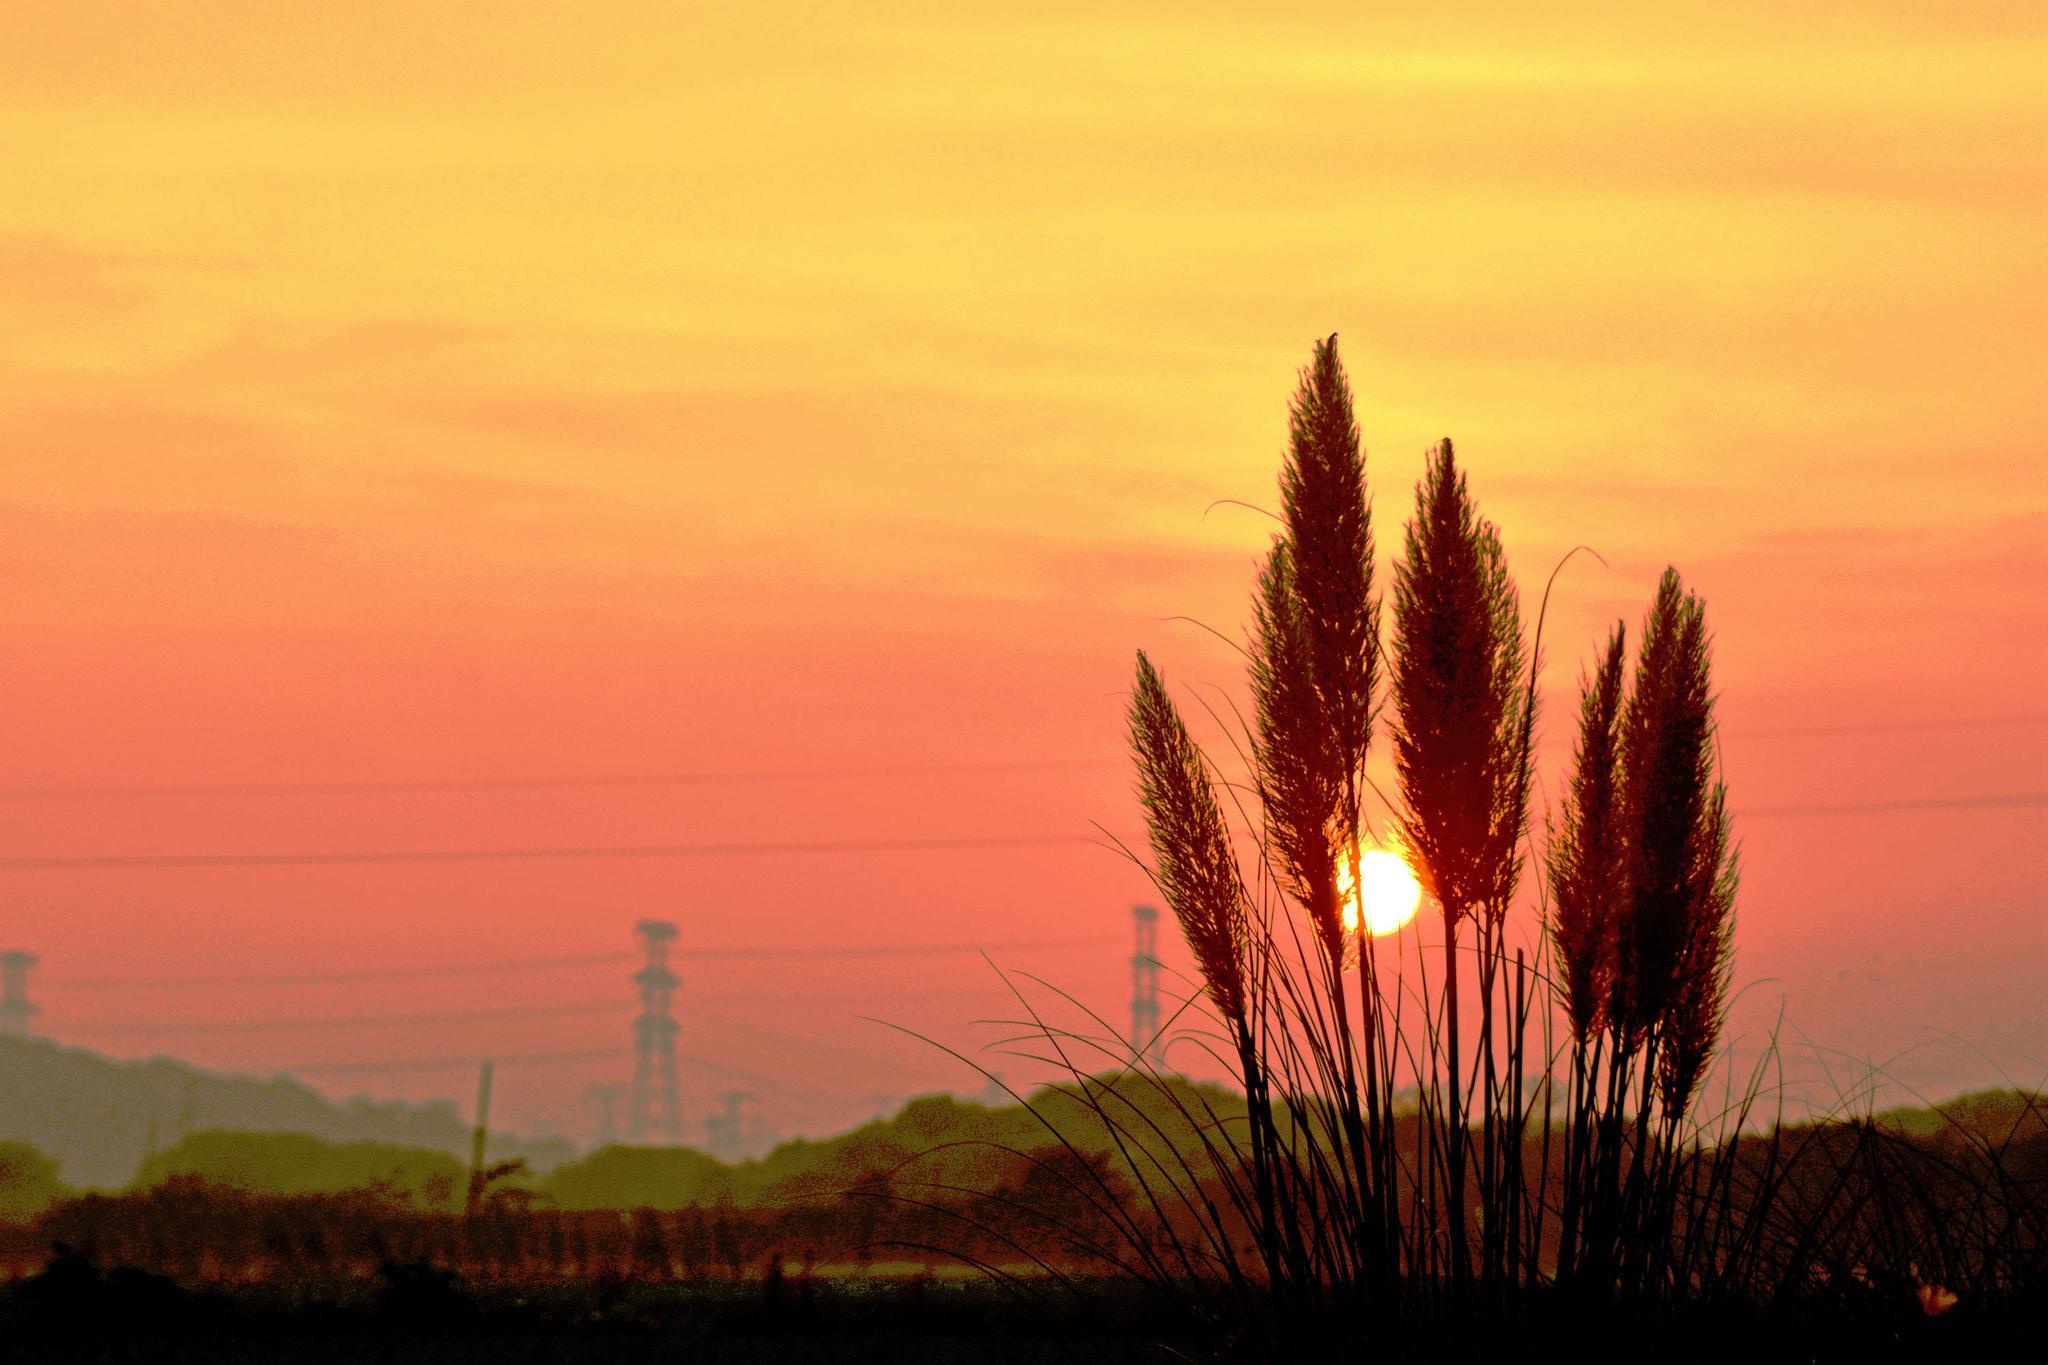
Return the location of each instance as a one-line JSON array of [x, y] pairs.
[[1388, 892]]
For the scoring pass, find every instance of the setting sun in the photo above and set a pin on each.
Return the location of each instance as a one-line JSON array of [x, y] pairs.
[[1388, 894]]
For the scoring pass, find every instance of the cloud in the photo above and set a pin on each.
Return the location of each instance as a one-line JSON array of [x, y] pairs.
[[47, 283]]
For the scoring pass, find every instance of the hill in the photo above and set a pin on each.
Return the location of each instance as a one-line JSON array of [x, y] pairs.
[[99, 1118], [935, 1141], [300, 1164]]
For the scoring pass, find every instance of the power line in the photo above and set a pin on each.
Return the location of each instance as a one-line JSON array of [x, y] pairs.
[[806, 1045], [712, 777], [574, 853], [589, 1054], [447, 969], [595, 1054], [396, 1064], [442, 969], [603, 852], [361, 1021], [611, 1005], [2007, 799], [400, 786], [893, 950], [1888, 727]]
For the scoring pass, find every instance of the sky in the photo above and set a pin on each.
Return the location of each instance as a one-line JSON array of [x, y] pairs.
[[822, 403]]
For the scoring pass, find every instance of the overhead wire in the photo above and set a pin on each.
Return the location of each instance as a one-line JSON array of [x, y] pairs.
[[559, 782], [508, 965], [569, 853], [821, 847], [456, 1062], [230, 1027], [851, 772]]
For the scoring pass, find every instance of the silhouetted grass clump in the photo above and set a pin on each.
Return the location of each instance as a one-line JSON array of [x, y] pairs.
[[1494, 1112]]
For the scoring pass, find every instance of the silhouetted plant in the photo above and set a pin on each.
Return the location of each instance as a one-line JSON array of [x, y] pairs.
[[651, 1260], [1348, 1201], [1643, 880], [1460, 752]]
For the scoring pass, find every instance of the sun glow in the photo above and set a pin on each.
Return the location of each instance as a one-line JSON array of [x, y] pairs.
[[1387, 893]]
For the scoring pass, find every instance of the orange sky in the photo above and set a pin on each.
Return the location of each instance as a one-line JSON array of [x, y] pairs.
[[399, 391]]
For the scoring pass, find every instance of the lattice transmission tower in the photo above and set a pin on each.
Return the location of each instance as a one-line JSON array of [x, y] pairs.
[[729, 1134], [1145, 1037], [605, 1099], [657, 1111], [15, 1009]]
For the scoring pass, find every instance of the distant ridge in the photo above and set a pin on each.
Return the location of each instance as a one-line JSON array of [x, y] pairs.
[[100, 1117]]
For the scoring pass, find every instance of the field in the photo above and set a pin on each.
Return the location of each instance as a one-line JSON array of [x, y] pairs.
[[72, 1312], [1913, 1234]]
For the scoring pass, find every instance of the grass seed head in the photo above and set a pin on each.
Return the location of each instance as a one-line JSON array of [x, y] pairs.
[[1457, 668], [1680, 874], [1196, 869], [1329, 533], [1295, 750], [1586, 864]]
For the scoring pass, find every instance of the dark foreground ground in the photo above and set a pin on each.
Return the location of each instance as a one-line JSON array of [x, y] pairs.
[[75, 1311]]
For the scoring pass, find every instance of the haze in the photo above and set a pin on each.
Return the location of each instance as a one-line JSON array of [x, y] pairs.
[[439, 393]]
